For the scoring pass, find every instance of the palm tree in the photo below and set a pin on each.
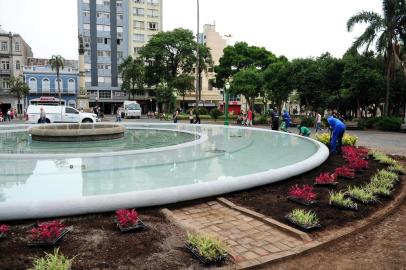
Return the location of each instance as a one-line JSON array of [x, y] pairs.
[[19, 88], [385, 31], [57, 62]]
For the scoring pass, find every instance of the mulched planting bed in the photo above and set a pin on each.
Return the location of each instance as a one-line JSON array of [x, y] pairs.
[[271, 199], [97, 243]]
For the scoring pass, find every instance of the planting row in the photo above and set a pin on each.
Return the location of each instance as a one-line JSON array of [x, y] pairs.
[[381, 184]]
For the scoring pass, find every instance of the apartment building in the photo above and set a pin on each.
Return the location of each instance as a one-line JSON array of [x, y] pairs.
[[13, 56], [112, 30]]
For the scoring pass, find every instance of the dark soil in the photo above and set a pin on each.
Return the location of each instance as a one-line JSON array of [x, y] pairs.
[[271, 200], [98, 244]]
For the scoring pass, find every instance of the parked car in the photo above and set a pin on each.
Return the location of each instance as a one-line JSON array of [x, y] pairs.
[[132, 109], [59, 114]]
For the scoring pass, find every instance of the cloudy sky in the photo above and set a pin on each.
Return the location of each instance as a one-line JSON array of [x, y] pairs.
[[294, 28]]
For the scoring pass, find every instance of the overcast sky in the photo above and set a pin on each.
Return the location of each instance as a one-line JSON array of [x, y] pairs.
[[294, 28]]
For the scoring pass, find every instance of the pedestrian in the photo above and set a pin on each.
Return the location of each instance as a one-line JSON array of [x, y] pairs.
[[8, 115], [286, 118], [249, 117], [42, 116], [176, 116], [303, 130], [191, 116], [118, 115], [338, 129], [1, 116], [275, 119], [197, 116], [318, 122], [11, 114]]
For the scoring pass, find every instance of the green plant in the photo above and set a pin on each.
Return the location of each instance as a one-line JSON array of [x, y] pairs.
[[339, 198], [389, 123], [383, 182], [382, 158], [208, 247], [379, 188], [215, 113], [261, 119], [384, 174], [308, 121], [303, 217], [55, 261], [397, 168], [347, 139], [362, 194]]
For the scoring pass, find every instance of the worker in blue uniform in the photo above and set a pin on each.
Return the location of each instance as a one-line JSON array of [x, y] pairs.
[[286, 118], [338, 129]]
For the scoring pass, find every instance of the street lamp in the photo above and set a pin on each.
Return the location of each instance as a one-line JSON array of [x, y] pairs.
[[226, 88]]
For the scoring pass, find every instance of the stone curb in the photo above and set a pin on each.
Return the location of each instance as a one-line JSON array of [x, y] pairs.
[[333, 237], [267, 220]]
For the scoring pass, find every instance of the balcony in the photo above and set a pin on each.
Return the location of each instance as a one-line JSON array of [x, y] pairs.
[[5, 71]]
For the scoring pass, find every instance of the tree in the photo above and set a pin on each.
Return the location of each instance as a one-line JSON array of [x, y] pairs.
[[205, 61], [386, 31], [19, 88], [133, 74], [182, 84], [57, 62], [247, 82], [163, 94]]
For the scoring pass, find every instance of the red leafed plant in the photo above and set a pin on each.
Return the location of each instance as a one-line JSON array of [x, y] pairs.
[[350, 152], [326, 178], [357, 164], [4, 229], [305, 193], [47, 231], [345, 172], [127, 218]]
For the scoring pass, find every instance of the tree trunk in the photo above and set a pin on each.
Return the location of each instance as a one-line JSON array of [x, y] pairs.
[[183, 103], [388, 73], [59, 85]]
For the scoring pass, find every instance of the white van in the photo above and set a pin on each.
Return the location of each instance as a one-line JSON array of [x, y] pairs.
[[132, 109], [59, 114]]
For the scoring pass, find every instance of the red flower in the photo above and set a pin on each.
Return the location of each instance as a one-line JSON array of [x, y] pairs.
[[326, 178], [305, 193], [127, 218], [350, 152], [47, 231], [357, 164], [4, 229], [345, 171]]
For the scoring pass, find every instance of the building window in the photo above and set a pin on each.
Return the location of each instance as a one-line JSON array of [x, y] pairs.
[[104, 94], [138, 12], [103, 15], [107, 53], [100, 40], [4, 46], [45, 84], [139, 25], [119, 3], [85, 1], [18, 65], [119, 54], [153, 2], [119, 17], [137, 50], [5, 84], [119, 29], [153, 26], [210, 69], [101, 27], [60, 84], [71, 85], [88, 79], [152, 13], [32, 84], [86, 14], [5, 64], [106, 3], [139, 2], [17, 47], [139, 37], [86, 26]]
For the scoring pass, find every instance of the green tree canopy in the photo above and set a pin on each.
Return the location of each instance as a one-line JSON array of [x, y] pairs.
[[247, 82], [132, 72], [19, 88]]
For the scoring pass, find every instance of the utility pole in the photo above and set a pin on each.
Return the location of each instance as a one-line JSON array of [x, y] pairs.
[[197, 59]]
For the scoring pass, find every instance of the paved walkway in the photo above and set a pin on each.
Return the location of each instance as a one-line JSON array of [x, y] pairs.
[[251, 241]]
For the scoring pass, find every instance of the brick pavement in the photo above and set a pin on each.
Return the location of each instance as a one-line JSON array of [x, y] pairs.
[[251, 241]]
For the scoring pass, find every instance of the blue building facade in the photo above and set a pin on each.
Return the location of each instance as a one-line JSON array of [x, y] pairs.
[[43, 83]]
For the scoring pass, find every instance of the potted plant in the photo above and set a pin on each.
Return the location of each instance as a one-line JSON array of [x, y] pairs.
[[47, 233], [338, 200], [304, 219], [304, 195], [128, 220], [362, 194], [326, 179], [345, 172], [3, 230], [53, 261], [206, 249]]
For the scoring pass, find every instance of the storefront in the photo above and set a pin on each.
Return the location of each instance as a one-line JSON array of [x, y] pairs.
[[234, 107]]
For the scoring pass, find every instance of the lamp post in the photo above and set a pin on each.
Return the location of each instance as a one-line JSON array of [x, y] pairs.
[[226, 87], [197, 55]]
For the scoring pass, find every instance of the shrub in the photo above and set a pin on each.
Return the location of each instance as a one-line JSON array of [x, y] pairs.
[[389, 123], [347, 139], [303, 217], [127, 218], [362, 124], [261, 120], [326, 178], [308, 121], [215, 113], [47, 231], [56, 261], [305, 193], [339, 198], [362, 194], [209, 248]]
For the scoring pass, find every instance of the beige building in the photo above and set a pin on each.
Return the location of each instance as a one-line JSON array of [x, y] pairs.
[[14, 52], [210, 96]]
